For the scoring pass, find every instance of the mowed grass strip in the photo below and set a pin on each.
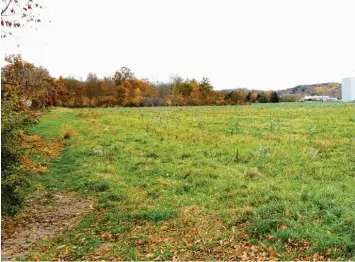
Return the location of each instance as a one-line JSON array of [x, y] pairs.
[[233, 182]]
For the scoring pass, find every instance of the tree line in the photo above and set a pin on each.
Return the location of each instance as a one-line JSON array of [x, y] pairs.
[[38, 89]]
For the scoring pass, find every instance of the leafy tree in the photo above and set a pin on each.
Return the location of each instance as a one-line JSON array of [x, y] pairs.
[[182, 88], [122, 94], [248, 97], [254, 97], [205, 86], [238, 96], [274, 98], [79, 95], [122, 75], [287, 98], [268, 95], [31, 82], [137, 100], [262, 98], [93, 86]]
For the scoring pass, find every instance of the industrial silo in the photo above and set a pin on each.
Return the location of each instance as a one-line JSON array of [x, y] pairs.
[[348, 89]]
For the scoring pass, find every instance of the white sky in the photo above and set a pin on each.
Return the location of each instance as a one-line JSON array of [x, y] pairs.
[[257, 44]]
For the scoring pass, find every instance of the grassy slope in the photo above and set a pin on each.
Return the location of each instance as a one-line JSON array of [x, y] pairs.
[[195, 183]]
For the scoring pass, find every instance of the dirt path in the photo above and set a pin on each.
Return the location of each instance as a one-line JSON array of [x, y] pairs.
[[44, 216]]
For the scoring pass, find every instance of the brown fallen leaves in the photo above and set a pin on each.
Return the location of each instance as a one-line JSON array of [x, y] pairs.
[[37, 145], [50, 149], [193, 235], [29, 164], [44, 216]]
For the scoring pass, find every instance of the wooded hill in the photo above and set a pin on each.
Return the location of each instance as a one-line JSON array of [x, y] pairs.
[[331, 89], [326, 89]]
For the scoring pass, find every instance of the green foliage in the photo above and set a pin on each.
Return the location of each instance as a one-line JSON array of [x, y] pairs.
[[274, 98], [262, 98], [13, 176], [287, 98], [13, 182], [248, 96], [22, 82]]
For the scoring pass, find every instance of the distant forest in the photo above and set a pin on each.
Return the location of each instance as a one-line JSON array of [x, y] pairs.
[[38, 89], [297, 92]]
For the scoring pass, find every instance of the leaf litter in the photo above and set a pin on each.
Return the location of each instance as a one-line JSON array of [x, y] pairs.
[[45, 215]]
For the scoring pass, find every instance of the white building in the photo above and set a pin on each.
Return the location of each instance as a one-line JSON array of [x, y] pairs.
[[348, 90]]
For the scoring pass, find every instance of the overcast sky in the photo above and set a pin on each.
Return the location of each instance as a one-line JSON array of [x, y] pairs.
[[273, 44]]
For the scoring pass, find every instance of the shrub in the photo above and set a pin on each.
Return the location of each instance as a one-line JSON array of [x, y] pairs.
[[13, 175], [154, 101], [58, 102], [37, 104], [69, 103], [288, 98]]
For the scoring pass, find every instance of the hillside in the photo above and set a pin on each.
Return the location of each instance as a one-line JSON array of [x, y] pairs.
[[327, 89]]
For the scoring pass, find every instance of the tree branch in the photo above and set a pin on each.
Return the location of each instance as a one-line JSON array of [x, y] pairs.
[[9, 33], [23, 14], [4, 10]]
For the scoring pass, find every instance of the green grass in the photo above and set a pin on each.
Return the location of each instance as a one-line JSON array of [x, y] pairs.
[[178, 181]]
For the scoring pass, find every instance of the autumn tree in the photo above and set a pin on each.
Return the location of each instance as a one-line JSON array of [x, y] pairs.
[[122, 94], [79, 95], [205, 86], [268, 95], [254, 97], [93, 86], [123, 74], [137, 97], [262, 98], [182, 89], [107, 87], [64, 92], [28, 81], [238, 96]]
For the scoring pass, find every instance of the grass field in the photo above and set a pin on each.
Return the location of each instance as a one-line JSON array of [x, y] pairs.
[[234, 182]]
